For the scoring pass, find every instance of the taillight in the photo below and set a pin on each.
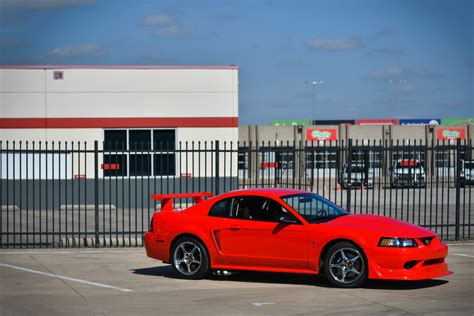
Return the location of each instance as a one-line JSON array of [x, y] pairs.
[[150, 228]]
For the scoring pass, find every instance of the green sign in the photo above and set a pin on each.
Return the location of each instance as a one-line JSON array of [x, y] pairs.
[[457, 121], [290, 122]]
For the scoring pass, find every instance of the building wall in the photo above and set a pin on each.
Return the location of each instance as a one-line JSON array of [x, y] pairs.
[[206, 97], [199, 103], [360, 134]]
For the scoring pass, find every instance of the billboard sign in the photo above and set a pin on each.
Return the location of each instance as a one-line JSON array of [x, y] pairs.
[[321, 134], [419, 122], [333, 122], [456, 121], [290, 122], [445, 133], [377, 122]]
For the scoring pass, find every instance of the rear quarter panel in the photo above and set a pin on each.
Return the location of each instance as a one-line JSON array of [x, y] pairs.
[[171, 226]]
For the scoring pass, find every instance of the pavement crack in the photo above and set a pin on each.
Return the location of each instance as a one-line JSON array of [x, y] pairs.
[[382, 304], [61, 280]]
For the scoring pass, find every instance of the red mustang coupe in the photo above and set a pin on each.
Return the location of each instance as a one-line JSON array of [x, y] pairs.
[[282, 230]]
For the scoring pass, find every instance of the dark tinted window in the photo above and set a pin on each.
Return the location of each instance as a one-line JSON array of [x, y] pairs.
[[165, 164], [163, 139], [221, 208], [257, 209], [115, 140], [115, 165], [140, 165], [139, 139]]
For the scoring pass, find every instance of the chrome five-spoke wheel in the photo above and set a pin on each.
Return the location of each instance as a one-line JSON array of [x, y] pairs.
[[346, 265], [189, 258]]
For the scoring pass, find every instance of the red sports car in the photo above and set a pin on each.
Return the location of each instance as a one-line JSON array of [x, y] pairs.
[[282, 230]]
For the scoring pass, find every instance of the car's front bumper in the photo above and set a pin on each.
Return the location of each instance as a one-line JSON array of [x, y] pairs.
[[389, 263]]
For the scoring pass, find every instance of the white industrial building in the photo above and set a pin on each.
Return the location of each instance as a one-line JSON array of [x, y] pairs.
[[159, 106], [53, 103]]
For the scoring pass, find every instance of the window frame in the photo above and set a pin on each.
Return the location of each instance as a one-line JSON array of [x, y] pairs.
[[229, 211], [232, 214], [152, 152]]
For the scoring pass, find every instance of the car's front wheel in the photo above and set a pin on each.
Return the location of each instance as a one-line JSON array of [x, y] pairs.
[[190, 259], [346, 265]]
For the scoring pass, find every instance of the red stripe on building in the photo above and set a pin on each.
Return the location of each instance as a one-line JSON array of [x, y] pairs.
[[118, 122]]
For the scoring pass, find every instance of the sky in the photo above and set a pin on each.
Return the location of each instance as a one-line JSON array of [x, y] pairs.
[[425, 47]]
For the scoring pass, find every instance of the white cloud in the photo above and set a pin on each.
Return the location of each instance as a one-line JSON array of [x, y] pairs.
[[159, 19], [385, 52], [334, 44], [391, 72], [426, 74], [40, 4], [172, 31], [92, 49], [165, 25]]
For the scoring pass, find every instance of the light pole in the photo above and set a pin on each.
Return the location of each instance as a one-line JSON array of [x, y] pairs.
[[314, 83], [398, 84]]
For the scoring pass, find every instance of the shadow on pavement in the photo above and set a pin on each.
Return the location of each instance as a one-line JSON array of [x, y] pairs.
[[296, 279]]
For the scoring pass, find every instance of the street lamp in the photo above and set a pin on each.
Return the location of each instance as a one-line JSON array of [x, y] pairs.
[[314, 83], [398, 84]]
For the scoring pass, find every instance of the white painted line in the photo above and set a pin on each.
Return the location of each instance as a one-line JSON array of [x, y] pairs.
[[65, 278], [462, 255], [263, 303], [62, 252], [461, 244]]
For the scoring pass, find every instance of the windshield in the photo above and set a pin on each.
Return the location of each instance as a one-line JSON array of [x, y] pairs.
[[313, 208]]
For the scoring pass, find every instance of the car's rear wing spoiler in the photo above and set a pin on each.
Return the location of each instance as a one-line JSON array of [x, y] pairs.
[[167, 199]]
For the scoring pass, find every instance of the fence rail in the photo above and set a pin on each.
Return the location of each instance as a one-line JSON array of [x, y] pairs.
[[56, 194]]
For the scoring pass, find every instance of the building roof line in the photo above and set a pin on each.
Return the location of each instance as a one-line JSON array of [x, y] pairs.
[[112, 67]]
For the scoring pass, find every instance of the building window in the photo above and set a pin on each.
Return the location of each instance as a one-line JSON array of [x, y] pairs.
[[58, 75], [139, 152], [115, 140]]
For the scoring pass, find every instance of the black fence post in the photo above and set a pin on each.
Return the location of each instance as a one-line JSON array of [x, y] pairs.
[[96, 191], [458, 189], [349, 167], [216, 189]]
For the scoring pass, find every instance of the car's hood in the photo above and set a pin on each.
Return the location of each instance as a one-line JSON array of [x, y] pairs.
[[387, 227]]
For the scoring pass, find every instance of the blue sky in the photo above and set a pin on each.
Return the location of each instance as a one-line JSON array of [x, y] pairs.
[[354, 47]]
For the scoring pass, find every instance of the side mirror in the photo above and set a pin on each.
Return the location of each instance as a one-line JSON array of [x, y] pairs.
[[288, 220]]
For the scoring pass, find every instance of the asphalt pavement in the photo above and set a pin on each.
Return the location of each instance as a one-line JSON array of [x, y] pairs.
[[123, 281]]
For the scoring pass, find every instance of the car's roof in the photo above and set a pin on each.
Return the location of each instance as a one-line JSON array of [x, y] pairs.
[[277, 192]]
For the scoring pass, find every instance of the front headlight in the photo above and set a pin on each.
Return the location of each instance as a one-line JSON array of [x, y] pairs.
[[397, 242]]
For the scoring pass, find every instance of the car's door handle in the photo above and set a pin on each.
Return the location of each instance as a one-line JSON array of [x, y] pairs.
[[235, 228]]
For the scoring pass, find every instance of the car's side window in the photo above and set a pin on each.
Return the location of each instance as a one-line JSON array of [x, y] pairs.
[[258, 209], [315, 207], [221, 208]]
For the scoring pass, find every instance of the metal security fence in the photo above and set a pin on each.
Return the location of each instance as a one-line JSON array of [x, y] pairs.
[[56, 194]]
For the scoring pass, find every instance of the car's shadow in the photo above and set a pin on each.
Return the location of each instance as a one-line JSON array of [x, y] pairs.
[[296, 279]]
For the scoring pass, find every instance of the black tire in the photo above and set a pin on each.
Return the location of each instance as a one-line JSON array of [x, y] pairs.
[[344, 275], [184, 258]]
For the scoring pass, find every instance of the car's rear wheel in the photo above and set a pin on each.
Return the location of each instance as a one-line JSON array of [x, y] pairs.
[[346, 265], [190, 259]]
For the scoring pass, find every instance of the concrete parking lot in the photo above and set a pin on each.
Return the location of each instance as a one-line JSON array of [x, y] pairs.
[[126, 282]]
